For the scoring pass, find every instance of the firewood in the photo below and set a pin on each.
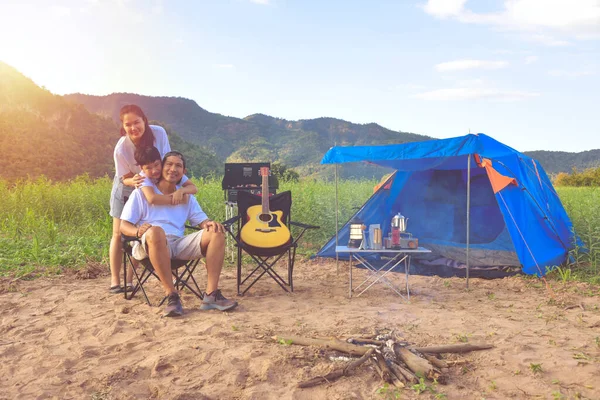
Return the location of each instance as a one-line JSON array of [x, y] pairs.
[[453, 348], [382, 368], [436, 362], [333, 344], [409, 377], [416, 364], [395, 370], [363, 341], [333, 375], [457, 362]]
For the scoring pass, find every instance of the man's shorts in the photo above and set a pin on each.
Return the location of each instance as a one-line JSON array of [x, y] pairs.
[[181, 248]]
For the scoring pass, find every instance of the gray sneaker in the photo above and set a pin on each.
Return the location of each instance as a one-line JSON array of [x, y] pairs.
[[173, 307], [216, 301]]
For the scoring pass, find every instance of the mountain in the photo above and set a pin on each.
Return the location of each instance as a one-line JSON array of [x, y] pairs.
[[297, 144], [562, 161], [46, 134], [65, 136]]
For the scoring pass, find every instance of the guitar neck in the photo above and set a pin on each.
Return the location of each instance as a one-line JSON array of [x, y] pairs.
[[265, 194]]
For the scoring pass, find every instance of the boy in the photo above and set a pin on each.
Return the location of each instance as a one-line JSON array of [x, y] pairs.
[[149, 160]]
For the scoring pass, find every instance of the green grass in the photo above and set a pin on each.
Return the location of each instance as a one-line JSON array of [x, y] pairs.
[[66, 224], [583, 207]]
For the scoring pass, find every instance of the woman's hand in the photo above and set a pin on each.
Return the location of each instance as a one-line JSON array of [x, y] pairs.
[[138, 180]]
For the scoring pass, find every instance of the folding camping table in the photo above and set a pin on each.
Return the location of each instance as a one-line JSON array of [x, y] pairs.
[[378, 274]]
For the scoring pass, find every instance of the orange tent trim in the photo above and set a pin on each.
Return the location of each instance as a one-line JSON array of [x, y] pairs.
[[497, 180]]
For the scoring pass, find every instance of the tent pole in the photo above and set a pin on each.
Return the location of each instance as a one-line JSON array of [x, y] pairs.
[[468, 211], [337, 267]]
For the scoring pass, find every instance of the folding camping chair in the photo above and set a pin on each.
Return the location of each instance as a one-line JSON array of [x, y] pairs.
[[265, 258], [182, 271]]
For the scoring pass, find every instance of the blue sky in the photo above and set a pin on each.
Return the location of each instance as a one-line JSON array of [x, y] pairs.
[[523, 71]]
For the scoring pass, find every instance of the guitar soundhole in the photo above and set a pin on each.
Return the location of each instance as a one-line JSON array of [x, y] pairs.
[[265, 217]]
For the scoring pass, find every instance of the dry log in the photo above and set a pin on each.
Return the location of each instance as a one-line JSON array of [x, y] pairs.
[[457, 362], [416, 364], [408, 375], [436, 362], [330, 377], [382, 368], [333, 375], [453, 348], [395, 368], [359, 341], [333, 344]]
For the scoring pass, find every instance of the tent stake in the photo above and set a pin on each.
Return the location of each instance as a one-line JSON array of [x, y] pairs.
[[337, 267], [468, 211]]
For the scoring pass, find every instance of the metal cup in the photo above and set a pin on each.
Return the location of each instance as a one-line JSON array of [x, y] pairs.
[[377, 244]]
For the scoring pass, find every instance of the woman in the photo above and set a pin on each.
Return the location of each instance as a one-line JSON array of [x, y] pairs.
[[136, 133]]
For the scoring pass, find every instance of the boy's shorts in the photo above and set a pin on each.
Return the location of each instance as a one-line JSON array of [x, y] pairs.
[[181, 248]]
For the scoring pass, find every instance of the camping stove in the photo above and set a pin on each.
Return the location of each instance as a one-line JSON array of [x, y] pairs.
[[407, 241]]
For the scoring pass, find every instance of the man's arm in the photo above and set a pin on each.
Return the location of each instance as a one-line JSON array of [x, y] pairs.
[[211, 225], [129, 229], [132, 215], [198, 218]]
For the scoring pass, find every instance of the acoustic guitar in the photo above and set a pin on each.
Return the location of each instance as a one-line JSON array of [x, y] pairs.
[[264, 228]]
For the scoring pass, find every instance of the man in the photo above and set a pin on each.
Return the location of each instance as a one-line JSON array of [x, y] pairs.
[[160, 229]]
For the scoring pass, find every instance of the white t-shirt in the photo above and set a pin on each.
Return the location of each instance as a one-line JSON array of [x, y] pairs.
[[171, 218], [123, 154]]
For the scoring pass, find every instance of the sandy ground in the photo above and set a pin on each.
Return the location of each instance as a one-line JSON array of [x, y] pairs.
[[67, 338]]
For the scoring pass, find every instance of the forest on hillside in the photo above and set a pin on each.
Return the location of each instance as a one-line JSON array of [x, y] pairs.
[[61, 137]]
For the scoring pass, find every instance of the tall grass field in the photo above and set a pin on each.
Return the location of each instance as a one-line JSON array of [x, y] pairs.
[[45, 226]]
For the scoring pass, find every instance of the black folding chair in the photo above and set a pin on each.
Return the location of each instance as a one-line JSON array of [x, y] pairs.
[[265, 258], [182, 270]]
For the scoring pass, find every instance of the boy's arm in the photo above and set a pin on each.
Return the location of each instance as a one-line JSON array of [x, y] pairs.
[[131, 179], [187, 188], [156, 199]]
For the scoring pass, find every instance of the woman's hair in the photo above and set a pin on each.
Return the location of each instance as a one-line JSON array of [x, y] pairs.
[[147, 139]]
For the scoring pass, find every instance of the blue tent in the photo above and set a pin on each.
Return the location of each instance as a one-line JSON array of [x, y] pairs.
[[515, 215]]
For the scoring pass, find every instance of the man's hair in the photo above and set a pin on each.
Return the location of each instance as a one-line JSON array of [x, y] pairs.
[[146, 155], [174, 153]]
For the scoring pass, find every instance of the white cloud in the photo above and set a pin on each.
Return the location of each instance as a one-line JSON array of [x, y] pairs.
[[60, 11], [569, 74], [547, 40], [157, 8], [409, 86], [262, 2], [579, 18], [224, 66], [554, 13], [471, 93], [531, 59], [444, 8], [460, 65]]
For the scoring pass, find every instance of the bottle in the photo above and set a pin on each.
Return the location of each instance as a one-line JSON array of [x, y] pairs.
[[396, 230]]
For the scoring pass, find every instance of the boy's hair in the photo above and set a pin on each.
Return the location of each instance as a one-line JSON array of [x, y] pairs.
[[146, 155], [174, 153]]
